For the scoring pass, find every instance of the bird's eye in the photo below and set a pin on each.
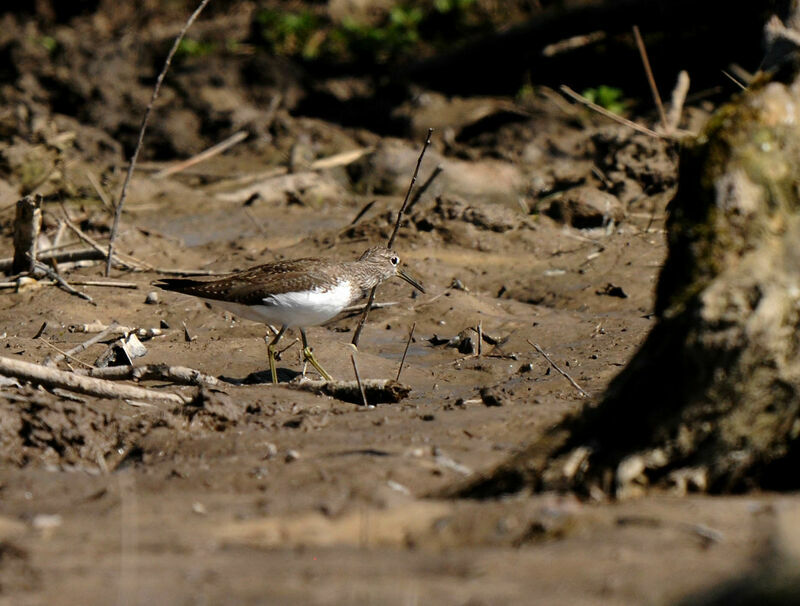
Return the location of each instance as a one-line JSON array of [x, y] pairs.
[[394, 260]]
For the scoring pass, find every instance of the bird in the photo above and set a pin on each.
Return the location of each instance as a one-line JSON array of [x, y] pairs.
[[295, 293]]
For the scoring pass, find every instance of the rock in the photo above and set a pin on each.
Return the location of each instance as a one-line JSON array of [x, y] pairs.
[[151, 298], [585, 207], [492, 396]]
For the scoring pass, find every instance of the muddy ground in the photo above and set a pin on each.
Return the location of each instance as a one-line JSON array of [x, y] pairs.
[[545, 227]]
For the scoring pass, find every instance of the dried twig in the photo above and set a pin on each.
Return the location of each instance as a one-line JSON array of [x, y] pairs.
[[63, 354], [131, 263], [142, 129], [650, 79], [41, 267], [364, 210], [84, 254], [559, 370], [110, 330], [203, 155], [603, 111], [424, 187], [405, 351], [371, 298], [153, 372], [52, 377], [101, 193], [358, 379]]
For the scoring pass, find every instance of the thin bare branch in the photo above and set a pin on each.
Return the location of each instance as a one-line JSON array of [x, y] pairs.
[[650, 79], [358, 379], [405, 351], [371, 298], [143, 128], [604, 112], [559, 370]]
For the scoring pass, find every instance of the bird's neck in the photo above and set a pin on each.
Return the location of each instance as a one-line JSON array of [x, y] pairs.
[[364, 276]]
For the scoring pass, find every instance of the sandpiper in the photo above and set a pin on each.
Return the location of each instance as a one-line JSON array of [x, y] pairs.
[[297, 293]]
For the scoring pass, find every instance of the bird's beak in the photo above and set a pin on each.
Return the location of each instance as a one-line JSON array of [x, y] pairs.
[[410, 280]]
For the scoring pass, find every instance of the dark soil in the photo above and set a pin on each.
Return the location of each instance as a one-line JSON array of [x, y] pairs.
[[257, 493]]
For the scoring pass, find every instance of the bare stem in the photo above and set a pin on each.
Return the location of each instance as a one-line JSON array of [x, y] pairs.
[[143, 128], [650, 79], [371, 298]]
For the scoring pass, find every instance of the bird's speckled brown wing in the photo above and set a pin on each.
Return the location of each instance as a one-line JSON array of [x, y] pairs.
[[253, 285]]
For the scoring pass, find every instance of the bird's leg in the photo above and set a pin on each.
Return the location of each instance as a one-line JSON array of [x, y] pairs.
[[309, 355], [271, 351]]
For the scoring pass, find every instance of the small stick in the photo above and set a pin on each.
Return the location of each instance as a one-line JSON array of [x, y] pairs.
[[611, 115], [64, 354], [91, 242], [176, 271], [27, 225], [556, 367], [371, 298], [104, 283], [405, 351], [255, 220], [364, 210], [203, 155], [410, 187], [424, 187], [733, 79], [84, 254], [650, 79], [101, 193], [358, 380], [52, 377], [85, 345], [41, 330], [142, 129], [678, 99], [62, 282]]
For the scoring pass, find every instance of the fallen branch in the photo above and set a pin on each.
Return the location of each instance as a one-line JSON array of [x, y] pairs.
[[152, 372], [41, 267], [212, 151], [378, 391], [52, 377], [84, 254]]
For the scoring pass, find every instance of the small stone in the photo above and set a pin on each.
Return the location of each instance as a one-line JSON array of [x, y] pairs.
[[151, 298], [291, 455], [492, 396], [270, 450]]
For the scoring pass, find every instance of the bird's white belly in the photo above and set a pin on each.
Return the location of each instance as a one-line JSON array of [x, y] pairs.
[[303, 308]]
